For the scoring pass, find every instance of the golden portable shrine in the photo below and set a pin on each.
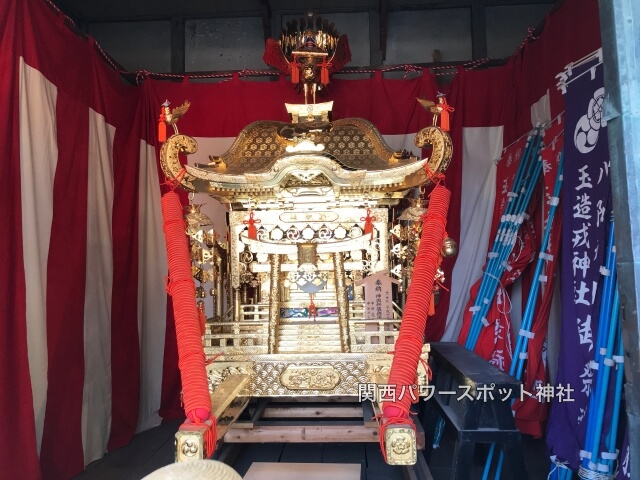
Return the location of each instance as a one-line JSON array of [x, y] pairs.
[[309, 288]]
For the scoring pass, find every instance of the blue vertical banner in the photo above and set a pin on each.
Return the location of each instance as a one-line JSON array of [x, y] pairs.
[[586, 215]]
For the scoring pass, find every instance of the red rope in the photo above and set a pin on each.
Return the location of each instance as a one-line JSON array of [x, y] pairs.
[[368, 222], [191, 358], [408, 347], [214, 358], [175, 182]]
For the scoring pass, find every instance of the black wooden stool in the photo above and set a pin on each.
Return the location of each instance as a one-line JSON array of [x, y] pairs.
[[475, 398]]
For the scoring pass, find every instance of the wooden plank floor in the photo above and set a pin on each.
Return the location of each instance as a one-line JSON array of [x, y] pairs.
[[153, 449]]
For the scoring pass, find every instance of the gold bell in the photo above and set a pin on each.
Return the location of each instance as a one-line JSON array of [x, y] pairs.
[[449, 247]]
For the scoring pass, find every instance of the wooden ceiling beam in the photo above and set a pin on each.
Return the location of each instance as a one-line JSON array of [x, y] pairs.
[[147, 10], [384, 27], [478, 32], [265, 10]]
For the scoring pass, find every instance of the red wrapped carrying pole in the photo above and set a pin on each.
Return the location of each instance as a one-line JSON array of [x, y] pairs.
[[191, 358], [408, 347]]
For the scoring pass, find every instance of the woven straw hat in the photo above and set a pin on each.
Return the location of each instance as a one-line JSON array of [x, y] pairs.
[[195, 469]]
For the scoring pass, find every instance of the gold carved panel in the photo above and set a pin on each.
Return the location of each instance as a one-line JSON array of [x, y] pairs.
[[267, 379], [310, 377]]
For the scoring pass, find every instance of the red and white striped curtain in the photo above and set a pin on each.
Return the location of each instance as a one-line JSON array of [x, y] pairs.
[[79, 253]]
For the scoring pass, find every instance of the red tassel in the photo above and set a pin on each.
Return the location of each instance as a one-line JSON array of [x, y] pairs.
[[324, 75], [295, 74], [432, 306], [162, 131], [444, 120], [202, 317], [252, 231], [368, 222], [313, 311], [445, 109]]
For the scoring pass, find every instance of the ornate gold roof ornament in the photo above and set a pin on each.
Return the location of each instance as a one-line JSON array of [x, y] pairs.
[[415, 212], [309, 50], [440, 110], [170, 116], [340, 161], [194, 217]]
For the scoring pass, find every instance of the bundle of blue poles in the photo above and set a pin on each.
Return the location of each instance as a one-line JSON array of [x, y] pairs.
[[525, 182], [599, 457], [521, 354]]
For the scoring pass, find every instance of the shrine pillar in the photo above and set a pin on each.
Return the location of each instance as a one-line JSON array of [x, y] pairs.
[[274, 300], [219, 290], [237, 314], [342, 300]]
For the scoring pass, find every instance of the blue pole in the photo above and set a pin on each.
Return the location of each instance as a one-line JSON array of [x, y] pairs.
[[487, 464], [617, 401], [603, 325], [527, 176], [523, 341], [602, 382]]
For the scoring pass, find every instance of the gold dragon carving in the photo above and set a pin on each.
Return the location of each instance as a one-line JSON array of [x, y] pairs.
[[170, 159], [442, 149]]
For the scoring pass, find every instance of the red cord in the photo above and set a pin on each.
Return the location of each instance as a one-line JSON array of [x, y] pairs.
[[252, 231], [174, 183], [214, 358], [408, 347], [191, 358], [202, 318], [368, 222]]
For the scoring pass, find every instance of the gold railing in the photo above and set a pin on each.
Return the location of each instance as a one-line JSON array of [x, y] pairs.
[[373, 335], [248, 336], [356, 311], [368, 335], [254, 312]]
